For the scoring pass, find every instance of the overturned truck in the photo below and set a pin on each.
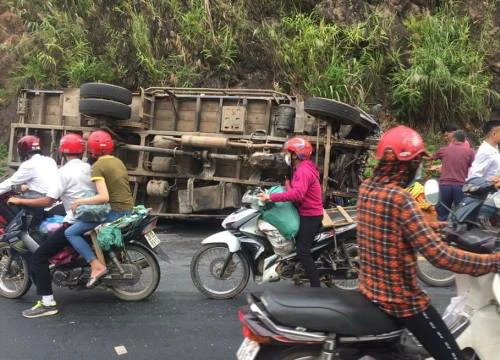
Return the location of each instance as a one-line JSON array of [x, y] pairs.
[[193, 152]]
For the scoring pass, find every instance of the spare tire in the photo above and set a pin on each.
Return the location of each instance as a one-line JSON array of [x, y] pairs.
[[102, 107], [336, 110], [106, 91]]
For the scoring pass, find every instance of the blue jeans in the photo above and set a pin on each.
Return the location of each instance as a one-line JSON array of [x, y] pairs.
[[74, 234], [449, 195]]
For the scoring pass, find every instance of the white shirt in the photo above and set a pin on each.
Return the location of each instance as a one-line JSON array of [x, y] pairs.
[[38, 172], [486, 162], [73, 183]]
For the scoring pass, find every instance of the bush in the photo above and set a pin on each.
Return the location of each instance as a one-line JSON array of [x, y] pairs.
[[445, 77]]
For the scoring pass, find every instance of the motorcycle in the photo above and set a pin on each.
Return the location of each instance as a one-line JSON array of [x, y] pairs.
[[134, 271], [338, 324], [221, 268]]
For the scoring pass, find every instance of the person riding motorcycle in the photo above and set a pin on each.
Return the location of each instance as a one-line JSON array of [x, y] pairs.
[[34, 175], [73, 182], [110, 177], [305, 192], [391, 229]]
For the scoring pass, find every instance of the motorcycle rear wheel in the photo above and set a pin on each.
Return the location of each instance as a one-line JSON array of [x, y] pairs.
[[139, 255], [432, 275], [16, 282], [214, 255], [352, 283]]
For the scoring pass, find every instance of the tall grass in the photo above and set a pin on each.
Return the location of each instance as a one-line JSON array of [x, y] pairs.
[[446, 76], [430, 69], [345, 63]]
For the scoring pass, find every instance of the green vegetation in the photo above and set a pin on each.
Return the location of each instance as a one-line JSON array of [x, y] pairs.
[[427, 68], [3, 159], [446, 78]]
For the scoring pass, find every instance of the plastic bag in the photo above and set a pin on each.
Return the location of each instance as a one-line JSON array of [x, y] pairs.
[[281, 245], [51, 224], [110, 235], [283, 215], [92, 213]]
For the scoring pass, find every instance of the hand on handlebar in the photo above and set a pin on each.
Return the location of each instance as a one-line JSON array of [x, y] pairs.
[[496, 181], [263, 197], [14, 201]]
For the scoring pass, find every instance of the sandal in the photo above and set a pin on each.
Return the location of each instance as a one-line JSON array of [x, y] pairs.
[[94, 279]]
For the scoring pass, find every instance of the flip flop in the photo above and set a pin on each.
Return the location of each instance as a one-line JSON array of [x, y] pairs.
[[93, 279]]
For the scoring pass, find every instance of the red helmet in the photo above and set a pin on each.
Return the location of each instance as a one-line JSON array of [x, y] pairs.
[[406, 143], [299, 146], [28, 145], [71, 144], [99, 143]]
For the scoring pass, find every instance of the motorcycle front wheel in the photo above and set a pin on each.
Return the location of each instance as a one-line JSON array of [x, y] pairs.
[[432, 275], [150, 274], [206, 267], [14, 278]]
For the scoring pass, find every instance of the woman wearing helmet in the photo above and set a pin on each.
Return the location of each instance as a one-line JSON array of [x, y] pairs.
[[305, 191], [391, 229], [73, 183], [110, 177]]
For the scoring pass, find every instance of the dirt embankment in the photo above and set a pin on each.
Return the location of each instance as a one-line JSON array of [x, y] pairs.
[[260, 75], [11, 30]]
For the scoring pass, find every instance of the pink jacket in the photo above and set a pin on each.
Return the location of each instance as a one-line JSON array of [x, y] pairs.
[[304, 190]]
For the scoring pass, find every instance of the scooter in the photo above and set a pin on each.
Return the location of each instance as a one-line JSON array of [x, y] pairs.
[[221, 268], [337, 324], [134, 271]]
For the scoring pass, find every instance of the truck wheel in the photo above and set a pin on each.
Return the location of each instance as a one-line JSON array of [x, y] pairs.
[[336, 110], [106, 91], [104, 107]]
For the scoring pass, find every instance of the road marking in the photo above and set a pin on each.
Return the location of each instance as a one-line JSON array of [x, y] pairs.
[[120, 350]]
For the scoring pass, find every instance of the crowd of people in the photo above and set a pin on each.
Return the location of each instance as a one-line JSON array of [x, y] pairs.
[[101, 180], [391, 227], [459, 162]]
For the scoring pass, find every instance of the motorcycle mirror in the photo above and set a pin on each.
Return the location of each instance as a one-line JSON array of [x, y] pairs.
[[431, 191]]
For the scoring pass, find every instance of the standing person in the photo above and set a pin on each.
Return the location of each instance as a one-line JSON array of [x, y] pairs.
[[456, 160], [305, 191], [487, 160], [73, 183], [448, 131], [110, 177], [391, 230]]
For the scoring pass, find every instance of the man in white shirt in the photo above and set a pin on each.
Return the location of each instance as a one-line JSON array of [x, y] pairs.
[[36, 171], [487, 160], [74, 182]]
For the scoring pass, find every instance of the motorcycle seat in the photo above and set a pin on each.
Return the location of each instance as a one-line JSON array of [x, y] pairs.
[[343, 312]]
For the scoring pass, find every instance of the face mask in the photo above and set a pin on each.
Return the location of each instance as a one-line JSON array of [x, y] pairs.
[[288, 159], [419, 173]]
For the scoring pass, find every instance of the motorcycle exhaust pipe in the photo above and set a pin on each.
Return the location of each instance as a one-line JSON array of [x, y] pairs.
[[29, 242]]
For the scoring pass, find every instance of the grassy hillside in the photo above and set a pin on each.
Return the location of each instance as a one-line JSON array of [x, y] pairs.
[[426, 65]]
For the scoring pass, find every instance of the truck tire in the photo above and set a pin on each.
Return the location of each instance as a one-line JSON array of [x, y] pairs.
[[104, 107], [335, 110], [106, 91]]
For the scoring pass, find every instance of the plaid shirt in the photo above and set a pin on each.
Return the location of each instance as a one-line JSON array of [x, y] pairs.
[[391, 229]]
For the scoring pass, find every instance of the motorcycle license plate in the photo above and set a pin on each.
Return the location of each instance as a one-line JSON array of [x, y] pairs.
[[248, 350], [152, 239]]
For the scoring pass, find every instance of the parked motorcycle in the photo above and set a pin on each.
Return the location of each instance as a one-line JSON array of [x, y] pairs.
[[221, 268], [338, 324], [134, 272]]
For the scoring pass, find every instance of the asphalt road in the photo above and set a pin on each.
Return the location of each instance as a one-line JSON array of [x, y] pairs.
[[175, 323]]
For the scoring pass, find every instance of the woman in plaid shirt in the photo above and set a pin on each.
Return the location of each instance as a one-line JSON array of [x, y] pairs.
[[391, 230]]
